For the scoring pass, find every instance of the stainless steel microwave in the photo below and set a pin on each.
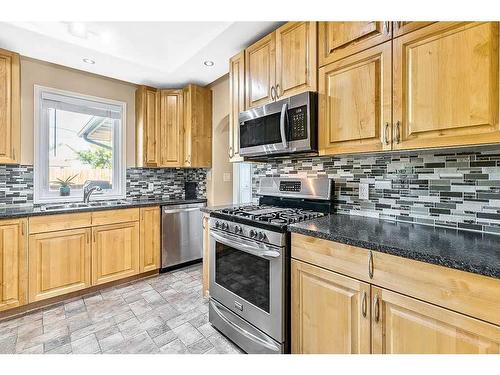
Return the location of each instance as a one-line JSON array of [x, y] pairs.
[[287, 126]]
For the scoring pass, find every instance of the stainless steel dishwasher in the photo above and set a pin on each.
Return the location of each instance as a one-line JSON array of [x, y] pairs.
[[181, 234]]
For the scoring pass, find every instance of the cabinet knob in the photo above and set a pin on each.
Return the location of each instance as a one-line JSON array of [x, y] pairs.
[[398, 132], [376, 308], [273, 93], [364, 305], [386, 133], [370, 265], [278, 91]]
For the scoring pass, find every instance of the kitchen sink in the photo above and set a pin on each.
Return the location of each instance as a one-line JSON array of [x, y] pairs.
[[72, 206]]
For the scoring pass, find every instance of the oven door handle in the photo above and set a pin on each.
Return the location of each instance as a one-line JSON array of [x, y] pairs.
[[242, 244], [258, 340], [283, 121]]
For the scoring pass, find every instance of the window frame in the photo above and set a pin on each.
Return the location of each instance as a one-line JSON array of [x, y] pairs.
[[41, 193]]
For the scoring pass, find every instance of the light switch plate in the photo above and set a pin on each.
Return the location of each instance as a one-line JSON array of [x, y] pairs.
[[151, 186], [364, 191]]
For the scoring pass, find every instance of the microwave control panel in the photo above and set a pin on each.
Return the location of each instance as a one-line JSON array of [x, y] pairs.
[[298, 123]]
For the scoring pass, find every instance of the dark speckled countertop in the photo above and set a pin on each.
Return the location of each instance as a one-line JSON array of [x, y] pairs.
[[31, 210], [463, 250]]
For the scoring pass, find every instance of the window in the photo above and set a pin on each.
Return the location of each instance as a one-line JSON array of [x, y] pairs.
[[78, 138]]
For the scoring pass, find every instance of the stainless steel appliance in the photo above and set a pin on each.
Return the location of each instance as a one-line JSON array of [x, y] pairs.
[[250, 262], [181, 234], [284, 127]]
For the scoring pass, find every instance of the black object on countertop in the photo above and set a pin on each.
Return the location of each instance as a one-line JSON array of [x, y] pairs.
[[190, 189], [459, 249]]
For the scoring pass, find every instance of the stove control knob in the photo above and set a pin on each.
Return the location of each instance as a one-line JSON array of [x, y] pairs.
[[253, 233], [217, 224], [237, 229], [225, 226], [261, 236]]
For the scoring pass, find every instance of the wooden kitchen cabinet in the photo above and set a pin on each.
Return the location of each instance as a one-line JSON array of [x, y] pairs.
[[13, 263], [330, 312], [404, 325], [197, 127], [236, 102], [404, 27], [355, 103], [147, 119], [337, 40], [260, 72], [150, 237], [10, 108], [296, 58], [446, 84], [171, 128], [59, 263], [115, 252]]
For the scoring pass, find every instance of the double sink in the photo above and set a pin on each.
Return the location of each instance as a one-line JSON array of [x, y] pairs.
[[74, 206]]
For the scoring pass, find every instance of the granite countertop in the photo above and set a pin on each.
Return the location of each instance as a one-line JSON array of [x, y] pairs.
[[32, 210], [462, 250]]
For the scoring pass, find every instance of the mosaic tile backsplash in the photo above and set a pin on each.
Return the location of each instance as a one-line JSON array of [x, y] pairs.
[[459, 189], [16, 183]]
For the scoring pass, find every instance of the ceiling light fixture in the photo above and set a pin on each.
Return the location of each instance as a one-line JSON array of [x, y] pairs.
[[208, 63], [78, 29], [89, 61]]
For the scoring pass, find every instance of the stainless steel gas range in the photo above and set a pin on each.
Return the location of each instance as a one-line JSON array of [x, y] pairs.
[[250, 261]]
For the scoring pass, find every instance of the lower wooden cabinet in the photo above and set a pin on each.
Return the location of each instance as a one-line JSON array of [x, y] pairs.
[[330, 312], [404, 325], [115, 252], [13, 263], [149, 255], [59, 263]]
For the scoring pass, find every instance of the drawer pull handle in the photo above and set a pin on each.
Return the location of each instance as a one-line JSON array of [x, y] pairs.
[[364, 305], [370, 265], [376, 306]]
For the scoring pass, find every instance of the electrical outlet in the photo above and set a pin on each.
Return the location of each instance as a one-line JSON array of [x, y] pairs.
[[364, 191], [151, 186]]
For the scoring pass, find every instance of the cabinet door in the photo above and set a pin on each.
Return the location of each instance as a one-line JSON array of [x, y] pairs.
[[355, 103], [59, 263], [171, 128], [115, 252], [337, 40], [236, 103], [330, 312], [206, 249], [296, 58], [403, 325], [403, 27], [10, 108], [260, 66], [13, 263], [147, 126], [149, 257], [446, 85]]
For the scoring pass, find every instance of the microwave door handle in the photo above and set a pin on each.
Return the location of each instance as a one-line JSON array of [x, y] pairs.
[[283, 122]]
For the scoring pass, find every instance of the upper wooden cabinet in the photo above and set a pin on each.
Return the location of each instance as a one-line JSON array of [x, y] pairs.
[[13, 263], [296, 58], [403, 27], [281, 64], [330, 312], [404, 325], [10, 108], [236, 102], [59, 263], [197, 127], [446, 84], [355, 97], [147, 119], [260, 72], [171, 128], [150, 237], [340, 39]]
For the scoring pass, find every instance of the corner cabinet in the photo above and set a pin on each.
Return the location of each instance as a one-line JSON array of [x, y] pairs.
[[13, 263], [197, 127], [446, 85], [147, 119], [10, 108], [237, 103], [150, 237], [281, 64]]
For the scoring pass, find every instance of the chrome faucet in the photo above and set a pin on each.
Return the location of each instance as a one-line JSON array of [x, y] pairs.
[[88, 188]]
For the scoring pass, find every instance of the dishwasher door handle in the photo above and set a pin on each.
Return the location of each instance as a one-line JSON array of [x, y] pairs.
[[181, 210]]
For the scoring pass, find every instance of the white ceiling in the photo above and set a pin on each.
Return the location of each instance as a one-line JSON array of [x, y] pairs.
[[160, 54]]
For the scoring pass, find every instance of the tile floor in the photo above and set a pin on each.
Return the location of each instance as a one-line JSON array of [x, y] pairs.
[[163, 314]]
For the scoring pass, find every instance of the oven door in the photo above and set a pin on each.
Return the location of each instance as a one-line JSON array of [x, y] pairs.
[[247, 278]]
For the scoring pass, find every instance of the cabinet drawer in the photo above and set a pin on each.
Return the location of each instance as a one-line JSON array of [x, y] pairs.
[[115, 216], [50, 223]]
